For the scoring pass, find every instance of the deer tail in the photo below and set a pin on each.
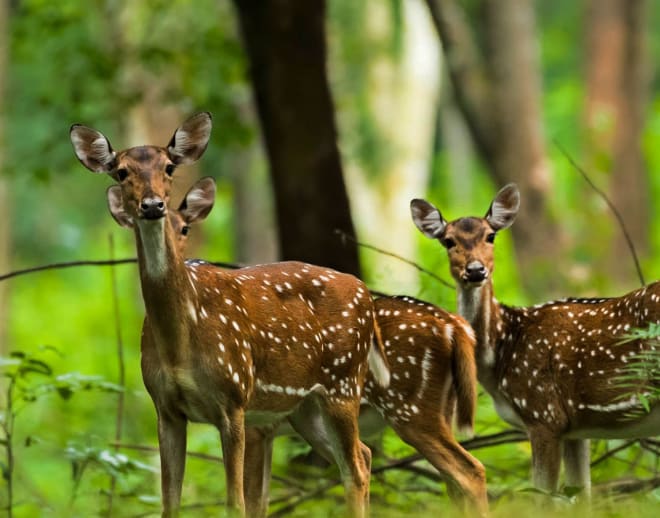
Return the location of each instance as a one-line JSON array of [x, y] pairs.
[[464, 376], [378, 364]]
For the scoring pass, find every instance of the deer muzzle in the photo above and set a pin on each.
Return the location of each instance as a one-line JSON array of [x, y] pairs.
[[152, 208], [475, 272]]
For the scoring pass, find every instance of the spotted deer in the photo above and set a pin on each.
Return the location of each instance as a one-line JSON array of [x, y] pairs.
[[241, 350], [433, 374], [551, 369]]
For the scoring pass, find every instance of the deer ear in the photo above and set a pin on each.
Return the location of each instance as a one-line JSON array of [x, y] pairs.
[[504, 208], [116, 206], [92, 148], [427, 218], [190, 139], [198, 201]]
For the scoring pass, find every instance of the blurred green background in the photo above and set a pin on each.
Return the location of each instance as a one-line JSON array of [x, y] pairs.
[[135, 70]]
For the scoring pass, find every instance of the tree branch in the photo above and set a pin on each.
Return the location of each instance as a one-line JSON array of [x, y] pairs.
[[611, 206], [442, 281], [106, 262]]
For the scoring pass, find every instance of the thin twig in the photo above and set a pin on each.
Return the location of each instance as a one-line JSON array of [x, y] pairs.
[[613, 452], [191, 454], [442, 281], [611, 206], [104, 262]]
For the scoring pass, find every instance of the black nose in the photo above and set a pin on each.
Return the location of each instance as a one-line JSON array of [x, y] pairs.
[[152, 208], [475, 272]]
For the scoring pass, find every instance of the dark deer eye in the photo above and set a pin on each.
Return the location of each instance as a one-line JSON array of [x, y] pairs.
[[490, 238], [185, 230], [169, 169], [122, 174], [448, 243]]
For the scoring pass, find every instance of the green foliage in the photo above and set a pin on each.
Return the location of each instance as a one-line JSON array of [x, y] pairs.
[[641, 374], [29, 379]]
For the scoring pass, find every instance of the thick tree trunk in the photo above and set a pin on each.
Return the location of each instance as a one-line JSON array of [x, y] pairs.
[[285, 43], [499, 93], [614, 106]]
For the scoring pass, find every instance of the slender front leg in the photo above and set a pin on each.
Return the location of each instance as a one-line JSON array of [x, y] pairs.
[[576, 464], [232, 434], [172, 446], [256, 472], [546, 459]]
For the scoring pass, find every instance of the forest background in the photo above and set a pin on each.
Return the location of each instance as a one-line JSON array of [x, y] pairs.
[[328, 115]]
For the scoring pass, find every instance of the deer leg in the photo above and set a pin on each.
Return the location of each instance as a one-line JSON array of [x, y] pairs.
[[172, 446], [546, 459], [232, 434], [256, 472], [576, 464], [331, 429], [349, 453], [465, 475]]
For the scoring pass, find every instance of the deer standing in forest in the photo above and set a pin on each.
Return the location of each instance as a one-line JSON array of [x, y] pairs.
[[430, 353], [242, 350], [551, 369]]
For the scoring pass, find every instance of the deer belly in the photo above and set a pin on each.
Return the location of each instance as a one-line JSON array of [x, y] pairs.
[[507, 412], [599, 425], [199, 406]]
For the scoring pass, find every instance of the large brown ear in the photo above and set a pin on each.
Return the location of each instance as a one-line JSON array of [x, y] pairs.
[[504, 208], [116, 206], [190, 139], [427, 218], [92, 148], [198, 201]]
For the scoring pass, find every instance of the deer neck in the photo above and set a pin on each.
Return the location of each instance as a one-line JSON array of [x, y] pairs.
[[167, 289], [480, 308]]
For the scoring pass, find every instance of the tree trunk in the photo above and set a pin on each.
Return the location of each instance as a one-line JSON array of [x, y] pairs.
[[5, 205], [285, 44], [499, 93], [614, 106]]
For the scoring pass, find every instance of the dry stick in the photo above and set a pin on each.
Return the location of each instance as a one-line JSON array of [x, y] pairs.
[[190, 454], [106, 262], [345, 236], [611, 206], [122, 369], [612, 453], [505, 437]]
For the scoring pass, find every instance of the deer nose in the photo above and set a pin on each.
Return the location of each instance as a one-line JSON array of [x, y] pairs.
[[475, 272], [152, 208]]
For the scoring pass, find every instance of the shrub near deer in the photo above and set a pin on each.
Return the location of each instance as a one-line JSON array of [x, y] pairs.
[[551, 369], [241, 350]]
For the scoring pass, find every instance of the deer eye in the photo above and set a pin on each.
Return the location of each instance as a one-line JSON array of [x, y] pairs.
[[490, 238], [448, 243], [185, 230], [169, 169], [122, 174]]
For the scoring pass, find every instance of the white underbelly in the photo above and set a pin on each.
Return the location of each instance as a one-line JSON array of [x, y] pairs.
[[507, 412], [647, 426]]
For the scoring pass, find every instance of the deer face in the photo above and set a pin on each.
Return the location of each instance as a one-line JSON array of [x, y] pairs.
[[195, 206], [469, 241], [144, 173]]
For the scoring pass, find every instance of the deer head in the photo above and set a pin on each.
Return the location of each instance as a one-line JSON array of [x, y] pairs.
[[471, 262], [144, 172]]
